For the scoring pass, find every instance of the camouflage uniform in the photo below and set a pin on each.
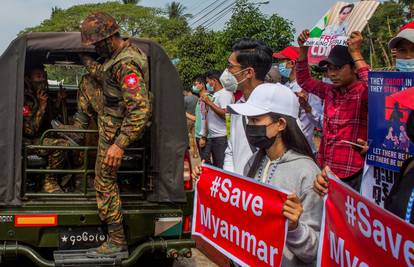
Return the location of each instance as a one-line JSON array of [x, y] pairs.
[[32, 120], [125, 112]]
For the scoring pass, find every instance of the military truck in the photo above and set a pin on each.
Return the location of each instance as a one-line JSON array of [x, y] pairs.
[[54, 229]]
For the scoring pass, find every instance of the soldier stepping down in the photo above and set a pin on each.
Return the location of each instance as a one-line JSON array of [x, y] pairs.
[[125, 112]]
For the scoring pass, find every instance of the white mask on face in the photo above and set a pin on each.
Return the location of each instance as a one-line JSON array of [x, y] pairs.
[[228, 80], [326, 80]]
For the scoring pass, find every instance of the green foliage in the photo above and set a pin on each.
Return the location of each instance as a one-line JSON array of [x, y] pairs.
[[248, 21], [134, 2], [69, 74], [198, 50], [203, 50], [384, 24], [175, 10]]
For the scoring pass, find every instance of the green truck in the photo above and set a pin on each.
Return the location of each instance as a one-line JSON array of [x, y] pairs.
[[55, 229]]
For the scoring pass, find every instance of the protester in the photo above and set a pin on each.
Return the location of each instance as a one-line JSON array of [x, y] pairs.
[[190, 103], [401, 198], [346, 105], [311, 110], [397, 201], [216, 124], [200, 125], [272, 111], [248, 65]]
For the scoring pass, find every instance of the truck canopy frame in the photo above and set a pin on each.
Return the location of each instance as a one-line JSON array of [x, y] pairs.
[[168, 130]]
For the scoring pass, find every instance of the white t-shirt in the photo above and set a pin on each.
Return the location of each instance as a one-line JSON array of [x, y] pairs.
[[217, 125]]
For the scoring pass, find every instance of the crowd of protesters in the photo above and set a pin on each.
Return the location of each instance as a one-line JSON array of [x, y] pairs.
[[248, 121]]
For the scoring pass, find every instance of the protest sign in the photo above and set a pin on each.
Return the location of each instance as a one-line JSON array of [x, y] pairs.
[[356, 232], [376, 183], [336, 25], [240, 217], [387, 115]]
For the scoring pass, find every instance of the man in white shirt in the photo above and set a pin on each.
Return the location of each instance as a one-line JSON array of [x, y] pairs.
[[216, 124], [311, 110], [247, 68]]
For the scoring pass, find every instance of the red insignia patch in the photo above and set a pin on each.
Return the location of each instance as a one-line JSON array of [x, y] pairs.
[[131, 80], [26, 111]]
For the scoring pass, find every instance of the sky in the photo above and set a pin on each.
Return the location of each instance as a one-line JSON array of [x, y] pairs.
[[16, 15]]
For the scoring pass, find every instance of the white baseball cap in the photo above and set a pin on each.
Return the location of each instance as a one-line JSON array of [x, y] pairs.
[[406, 32], [266, 98]]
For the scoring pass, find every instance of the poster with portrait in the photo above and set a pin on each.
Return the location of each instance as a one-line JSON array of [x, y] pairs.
[[387, 115], [336, 25]]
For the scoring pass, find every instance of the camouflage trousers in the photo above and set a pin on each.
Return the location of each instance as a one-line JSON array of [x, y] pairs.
[[106, 186], [55, 160]]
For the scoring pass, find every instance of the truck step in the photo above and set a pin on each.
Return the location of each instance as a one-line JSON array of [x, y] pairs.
[[69, 258]]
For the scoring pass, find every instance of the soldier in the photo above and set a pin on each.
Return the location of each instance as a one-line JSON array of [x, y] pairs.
[[34, 110], [125, 112], [90, 106]]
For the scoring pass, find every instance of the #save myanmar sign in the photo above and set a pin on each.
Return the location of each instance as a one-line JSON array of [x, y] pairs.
[[240, 217], [358, 233]]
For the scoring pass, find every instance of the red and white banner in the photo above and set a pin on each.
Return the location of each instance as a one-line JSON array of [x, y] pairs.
[[357, 233], [240, 217]]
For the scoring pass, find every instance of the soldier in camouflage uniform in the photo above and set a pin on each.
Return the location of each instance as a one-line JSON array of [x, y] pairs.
[[34, 108], [125, 112], [90, 106]]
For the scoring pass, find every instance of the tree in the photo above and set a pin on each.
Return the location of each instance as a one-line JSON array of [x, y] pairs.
[[408, 5], [134, 21], [175, 10], [383, 25], [199, 52], [203, 50], [248, 21], [135, 2]]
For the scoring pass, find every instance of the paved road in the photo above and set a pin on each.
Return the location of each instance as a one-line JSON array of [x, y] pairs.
[[198, 260]]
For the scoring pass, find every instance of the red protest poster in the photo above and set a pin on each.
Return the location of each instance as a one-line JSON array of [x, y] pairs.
[[358, 233], [240, 217]]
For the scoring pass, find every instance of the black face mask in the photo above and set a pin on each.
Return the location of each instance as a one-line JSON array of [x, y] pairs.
[[256, 135], [410, 126], [106, 50]]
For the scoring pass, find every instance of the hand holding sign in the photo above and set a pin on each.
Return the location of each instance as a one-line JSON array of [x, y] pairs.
[[320, 185], [303, 53], [224, 202], [303, 37], [292, 210], [353, 226]]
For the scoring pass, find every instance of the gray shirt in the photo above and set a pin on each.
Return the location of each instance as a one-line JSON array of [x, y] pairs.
[[190, 102], [302, 243]]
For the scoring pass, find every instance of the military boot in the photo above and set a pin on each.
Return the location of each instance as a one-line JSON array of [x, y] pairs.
[[51, 185], [74, 138], [114, 247]]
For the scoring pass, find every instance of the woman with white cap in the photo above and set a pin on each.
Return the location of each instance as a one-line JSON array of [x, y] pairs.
[[284, 160]]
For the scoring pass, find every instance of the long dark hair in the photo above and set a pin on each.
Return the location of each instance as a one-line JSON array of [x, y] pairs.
[[292, 137]]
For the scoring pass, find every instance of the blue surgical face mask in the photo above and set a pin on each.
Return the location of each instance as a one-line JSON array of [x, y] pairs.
[[195, 89], [405, 65], [209, 88], [285, 72]]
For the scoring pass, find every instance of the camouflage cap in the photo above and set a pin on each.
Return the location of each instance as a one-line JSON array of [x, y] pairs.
[[97, 27]]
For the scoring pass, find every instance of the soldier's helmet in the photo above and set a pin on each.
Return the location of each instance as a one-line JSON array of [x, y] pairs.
[[97, 27]]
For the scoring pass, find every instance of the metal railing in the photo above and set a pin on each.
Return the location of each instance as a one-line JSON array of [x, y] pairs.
[[84, 169]]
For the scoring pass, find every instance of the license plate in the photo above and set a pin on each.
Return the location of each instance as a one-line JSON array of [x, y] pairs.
[[81, 238]]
